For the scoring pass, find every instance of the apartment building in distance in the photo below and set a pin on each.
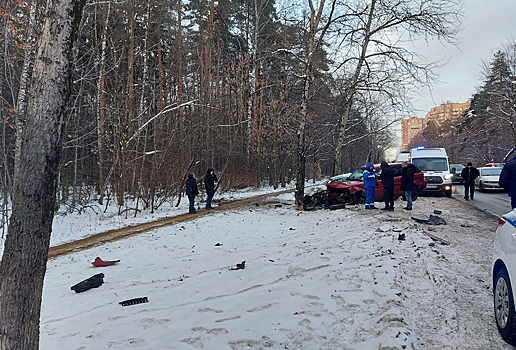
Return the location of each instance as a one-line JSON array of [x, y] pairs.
[[410, 127], [448, 111]]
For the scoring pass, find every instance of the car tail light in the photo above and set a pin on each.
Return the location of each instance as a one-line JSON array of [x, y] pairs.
[[501, 222]]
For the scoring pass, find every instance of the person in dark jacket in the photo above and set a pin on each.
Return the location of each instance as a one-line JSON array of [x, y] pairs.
[[407, 182], [508, 180], [191, 191], [387, 177], [469, 174], [209, 185], [370, 186]]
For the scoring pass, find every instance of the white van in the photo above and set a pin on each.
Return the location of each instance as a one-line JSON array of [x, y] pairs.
[[433, 162], [403, 156]]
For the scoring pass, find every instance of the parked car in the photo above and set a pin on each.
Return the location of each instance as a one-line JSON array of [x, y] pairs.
[[456, 169], [352, 189], [496, 165], [504, 272], [488, 179]]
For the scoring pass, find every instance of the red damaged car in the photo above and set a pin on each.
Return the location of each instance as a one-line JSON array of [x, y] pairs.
[[351, 190]]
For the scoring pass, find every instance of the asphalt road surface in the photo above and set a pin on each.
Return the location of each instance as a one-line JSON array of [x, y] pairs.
[[493, 201]]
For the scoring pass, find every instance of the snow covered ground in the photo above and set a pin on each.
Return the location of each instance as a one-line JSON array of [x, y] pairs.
[[312, 280]]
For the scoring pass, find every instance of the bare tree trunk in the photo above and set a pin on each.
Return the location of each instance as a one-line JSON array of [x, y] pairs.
[[180, 67], [251, 107], [337, 167], [161, 103], [311, 45], [24, 82], [301, 156], [26, 249], [101, 104]]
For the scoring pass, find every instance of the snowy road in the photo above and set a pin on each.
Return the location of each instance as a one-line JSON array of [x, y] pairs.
[[496, 202], [313, 280]]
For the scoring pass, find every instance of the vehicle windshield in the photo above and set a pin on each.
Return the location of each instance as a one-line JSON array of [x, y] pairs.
[[491, 172], [458, 167], [431, 164], [357, 175]]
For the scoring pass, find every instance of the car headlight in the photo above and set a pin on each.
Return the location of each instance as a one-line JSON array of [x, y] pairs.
[[448, 177]]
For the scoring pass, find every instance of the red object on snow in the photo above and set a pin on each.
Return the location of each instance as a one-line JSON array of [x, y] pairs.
[[101, 263]]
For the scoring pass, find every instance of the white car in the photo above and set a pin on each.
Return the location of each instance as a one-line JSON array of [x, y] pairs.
[[488, 179], [504, 271]]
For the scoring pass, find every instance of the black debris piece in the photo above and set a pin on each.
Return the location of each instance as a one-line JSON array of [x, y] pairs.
[[438, 212], [433, 220], [401, 237], [337, 206], [271, 260], [240, 266], [437, 220], [278, 205], [134, 301], [94, 281], [218, 244]]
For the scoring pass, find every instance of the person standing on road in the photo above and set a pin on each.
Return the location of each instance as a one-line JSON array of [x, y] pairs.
[[370, 186], [469, 174], [209, 185], [508, 180], [191, 191], [407, 182], [387, 177]]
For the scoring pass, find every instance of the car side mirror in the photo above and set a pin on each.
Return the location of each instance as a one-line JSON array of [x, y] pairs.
[[453, 170]]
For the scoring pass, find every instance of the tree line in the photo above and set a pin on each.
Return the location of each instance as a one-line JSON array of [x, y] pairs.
[[257, 90]]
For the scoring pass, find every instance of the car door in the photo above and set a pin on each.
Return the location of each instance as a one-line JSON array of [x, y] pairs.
[[397, 180]]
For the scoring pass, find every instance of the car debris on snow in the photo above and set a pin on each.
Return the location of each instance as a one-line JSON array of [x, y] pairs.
[[94, 281], [437, 239], [98, 262], [134, 301], [240, 266], [432, 220]]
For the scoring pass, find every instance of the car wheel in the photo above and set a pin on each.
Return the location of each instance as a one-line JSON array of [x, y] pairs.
[[448, 193], [481, 187], [504, 306]]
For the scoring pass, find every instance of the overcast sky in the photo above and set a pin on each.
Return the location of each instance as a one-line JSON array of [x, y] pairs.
[[488, 24]]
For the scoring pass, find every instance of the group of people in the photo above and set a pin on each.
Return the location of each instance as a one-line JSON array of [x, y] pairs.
[[469, 174], [192, 191], [387, 177]]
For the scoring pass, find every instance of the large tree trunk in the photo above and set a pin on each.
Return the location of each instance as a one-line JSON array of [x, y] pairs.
[[101, 102], [337, 167], [180, 68], [26, 249], [311, 45]]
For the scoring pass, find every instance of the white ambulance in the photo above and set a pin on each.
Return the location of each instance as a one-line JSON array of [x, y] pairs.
[[433, 162]]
